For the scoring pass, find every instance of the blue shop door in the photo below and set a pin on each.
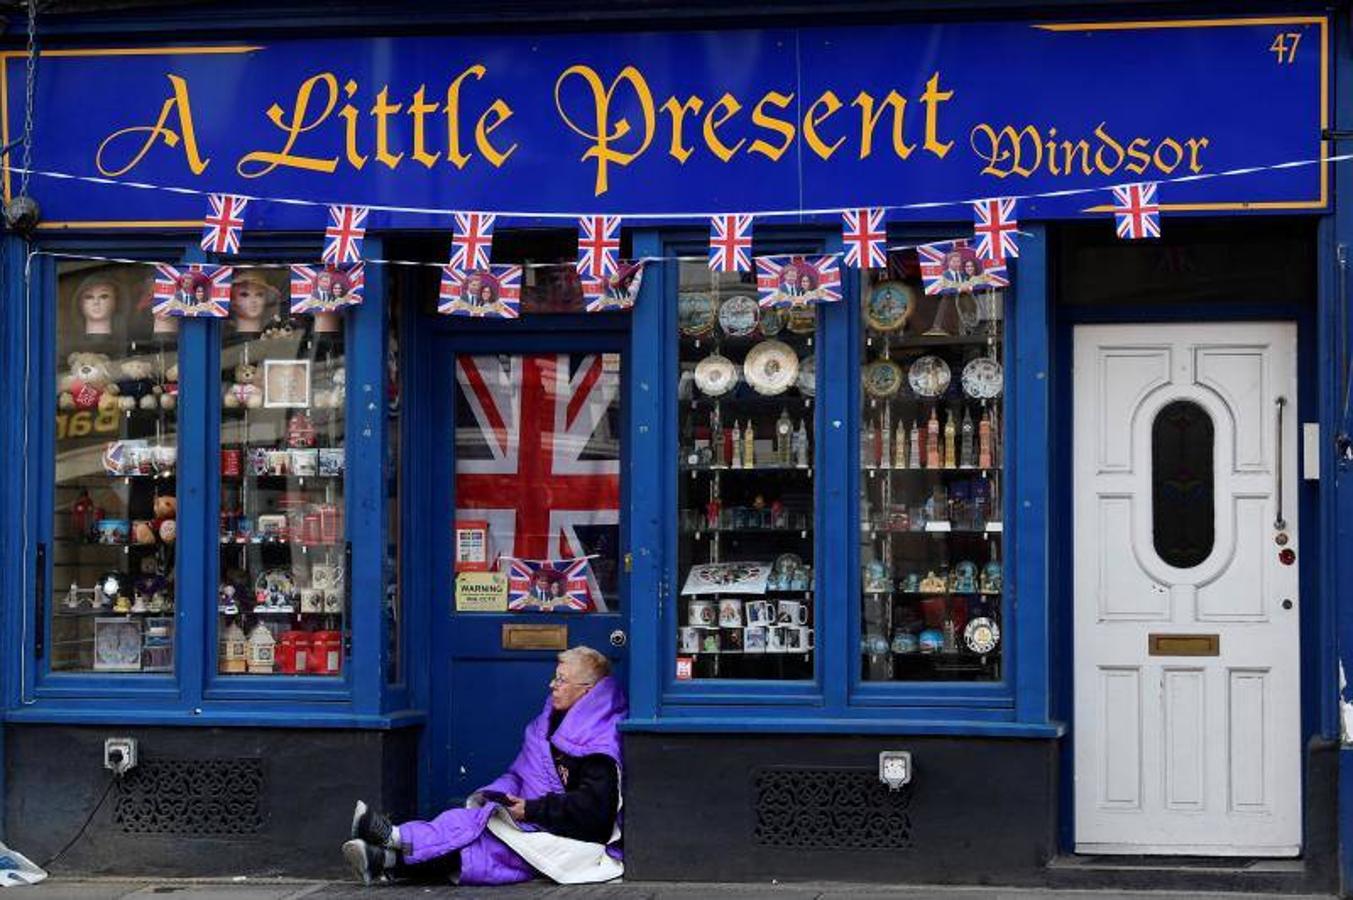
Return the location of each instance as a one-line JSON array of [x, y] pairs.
[[537, 432]]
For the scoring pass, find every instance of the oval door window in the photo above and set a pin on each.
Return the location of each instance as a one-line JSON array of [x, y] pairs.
[[1182, 484]]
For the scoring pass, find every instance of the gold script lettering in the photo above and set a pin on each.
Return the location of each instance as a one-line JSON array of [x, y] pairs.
[[177, 104], [605, 133], [261, 162]]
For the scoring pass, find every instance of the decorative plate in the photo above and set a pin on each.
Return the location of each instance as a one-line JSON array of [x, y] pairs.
[[715, 375], [739, 315], [275, 579], [695, 314], [983, 378], [807, 381], [889, 305], [929, 376], [801, 319], [882, 378], [771, 367], [772, 321], [982, 635], [786, 564]]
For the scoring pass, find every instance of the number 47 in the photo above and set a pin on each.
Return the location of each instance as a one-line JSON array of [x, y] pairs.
[[1284, 46]]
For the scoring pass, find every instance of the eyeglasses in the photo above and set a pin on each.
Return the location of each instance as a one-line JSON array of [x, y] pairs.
[[556, 680]]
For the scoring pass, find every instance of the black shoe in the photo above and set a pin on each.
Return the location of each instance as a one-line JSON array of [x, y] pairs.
[[371, 826], [366, 861]]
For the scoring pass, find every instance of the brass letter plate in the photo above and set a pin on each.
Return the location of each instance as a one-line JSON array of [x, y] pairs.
[[1184, 644], [535, 637]]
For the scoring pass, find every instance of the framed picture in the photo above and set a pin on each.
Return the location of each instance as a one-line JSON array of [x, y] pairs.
[[117, 645], [286, 383]]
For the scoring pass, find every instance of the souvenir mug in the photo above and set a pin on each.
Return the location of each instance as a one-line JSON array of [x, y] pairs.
[[730, 640], [304, 462], [312, 601], [333, 601], [278, 462], [730, 613], [702, 612], [775, 638], [754, 639], [689, 639], [875, 643], [798, 639], [760, 612], [904, 642], [792, 612], [709, 640], [165, 458]]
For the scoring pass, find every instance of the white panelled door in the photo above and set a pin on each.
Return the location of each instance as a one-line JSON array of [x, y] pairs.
[[1187, 693]]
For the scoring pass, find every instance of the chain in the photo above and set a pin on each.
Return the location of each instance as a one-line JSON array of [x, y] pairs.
[[30, 85]]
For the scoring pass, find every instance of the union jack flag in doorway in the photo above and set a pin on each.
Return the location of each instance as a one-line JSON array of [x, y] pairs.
[[538, 458]]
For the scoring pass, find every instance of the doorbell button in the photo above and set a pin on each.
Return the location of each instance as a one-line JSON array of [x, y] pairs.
[[1280, 539], [1287, 604], [1287, 556]]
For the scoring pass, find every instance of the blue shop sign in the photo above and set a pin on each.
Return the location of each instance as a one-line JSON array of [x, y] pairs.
[[678, 123]]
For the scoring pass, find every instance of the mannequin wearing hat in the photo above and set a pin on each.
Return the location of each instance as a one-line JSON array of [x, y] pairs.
[[249, 299]]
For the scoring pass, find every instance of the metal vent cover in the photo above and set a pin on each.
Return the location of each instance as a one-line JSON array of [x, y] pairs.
[[192, 797], [829, 809]]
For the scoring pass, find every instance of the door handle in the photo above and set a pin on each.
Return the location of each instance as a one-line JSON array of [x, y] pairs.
[[619, 638], [1279, 523]]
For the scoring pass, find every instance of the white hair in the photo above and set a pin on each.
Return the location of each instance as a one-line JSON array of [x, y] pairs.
[[589, 663]]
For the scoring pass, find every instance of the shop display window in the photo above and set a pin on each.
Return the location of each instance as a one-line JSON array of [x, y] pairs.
[[112, 591], [931, 456], [282, 599], [747, 379]]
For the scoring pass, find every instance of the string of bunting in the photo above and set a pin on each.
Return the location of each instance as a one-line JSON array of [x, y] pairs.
[[471, 285]]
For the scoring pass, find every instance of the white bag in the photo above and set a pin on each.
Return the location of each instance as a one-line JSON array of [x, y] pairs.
[[17, 869]]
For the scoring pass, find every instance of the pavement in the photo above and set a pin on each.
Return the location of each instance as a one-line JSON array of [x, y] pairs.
[[270, 889]]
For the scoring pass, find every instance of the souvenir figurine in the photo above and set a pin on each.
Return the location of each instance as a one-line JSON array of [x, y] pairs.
[[261, 645], [749, 446], [137, 384], [912, 583], [904, 642], [88, 383], [877, 578], [245, 392], [885, 445], [931, 641], [914, 447], [868, 459], [991, 578], [984, 442], [279, 328], [784, 437], [932, 441], [932, 583], [900, 447], [964, 577], [950, 632], [967, 456], [249, 299], [950, 437], [736, 449], [801, 446], [96, 300]]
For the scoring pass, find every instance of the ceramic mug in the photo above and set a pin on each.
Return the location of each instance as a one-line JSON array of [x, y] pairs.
[[690, 639], [304, 462], [755, 638], [730, 640], [792, 612], [709, 640], [775, 638], [730, 613], [702, 612], [798, 638], [760, 612]]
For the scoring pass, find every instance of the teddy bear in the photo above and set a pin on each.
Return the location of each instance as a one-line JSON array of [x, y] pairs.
[[88, 384], [138, 384], [169, 387], [166, 506], [333, 397], [245, 391]]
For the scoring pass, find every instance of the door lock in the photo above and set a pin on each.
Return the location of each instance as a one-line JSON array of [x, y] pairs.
[[619, 638]]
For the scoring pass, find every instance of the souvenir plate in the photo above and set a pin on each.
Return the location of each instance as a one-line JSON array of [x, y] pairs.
[[772, 321], [715, 375], [929, 377], [983, 378], [982, 635], [801, 319], [882, 378], [738, 316], [807, 381], [889, 305], [786, 564], [695, 314], [771, 368]]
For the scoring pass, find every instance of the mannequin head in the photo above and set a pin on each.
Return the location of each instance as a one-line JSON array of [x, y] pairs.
[[96, 300], [249, 299]]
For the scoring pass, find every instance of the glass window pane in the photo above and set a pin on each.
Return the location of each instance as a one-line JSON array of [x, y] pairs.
[[745, 393], [538, 479], [282, 604], [1182, 489], [931, 457], [116, 496]]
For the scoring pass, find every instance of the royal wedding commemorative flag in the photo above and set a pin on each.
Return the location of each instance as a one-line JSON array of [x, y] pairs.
[[952, 267], [615, 292], [598, 247], [994, 227], [471, 242], [224, 223], [797, 280], [549, 585], [322, 289], [865, 238], [343, 237], [194, 291], [493, 292], [1136, 210], [730, 243]]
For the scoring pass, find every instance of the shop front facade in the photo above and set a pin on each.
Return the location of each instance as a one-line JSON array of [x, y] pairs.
[[923, 557]]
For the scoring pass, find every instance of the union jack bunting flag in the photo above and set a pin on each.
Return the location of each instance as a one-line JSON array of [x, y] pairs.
[[865, 237], [538, 458], [343, 237], [1136, 211], [598, 246], [472, 241], [730, 243], [549, 585], [615, 292], [995, 227], [326, 289], [952, 267], [224, 223], [797, 280], [493, 292], [194, 291]]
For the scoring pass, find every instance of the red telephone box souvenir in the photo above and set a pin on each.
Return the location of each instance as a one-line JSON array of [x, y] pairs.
[[326, 653], [293, 652]]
